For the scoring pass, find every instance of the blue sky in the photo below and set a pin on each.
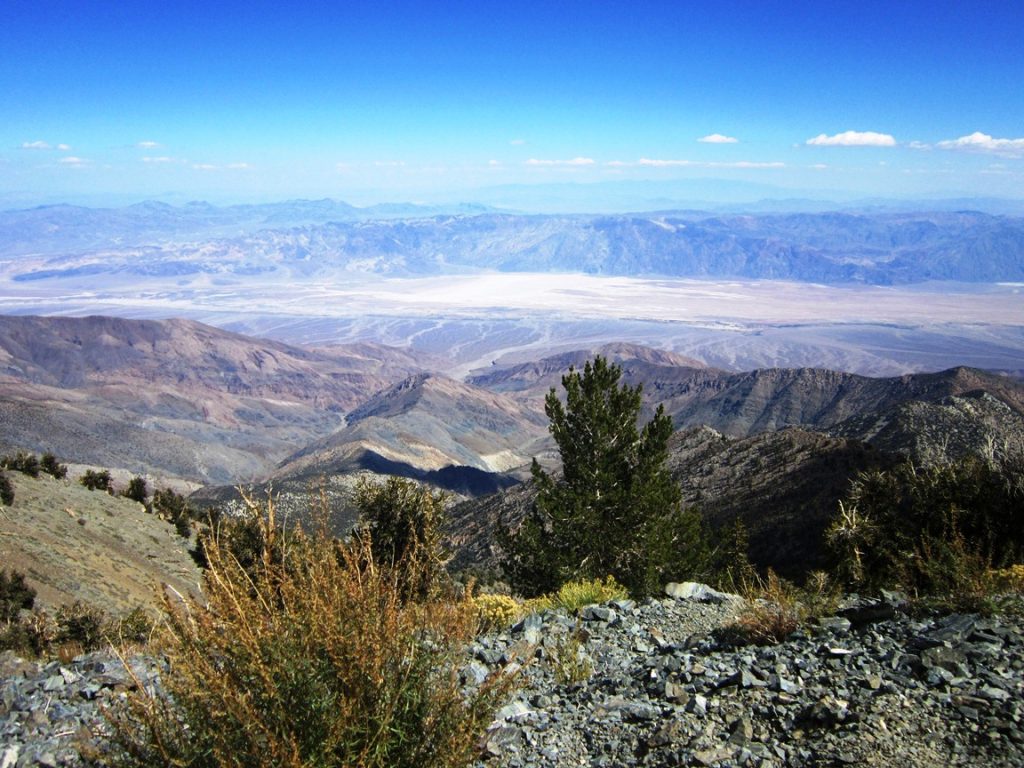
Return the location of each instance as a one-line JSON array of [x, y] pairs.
[[416, 101]]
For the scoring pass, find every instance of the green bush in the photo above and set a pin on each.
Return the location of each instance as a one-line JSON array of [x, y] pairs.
[[97, 481], [403, 522], [136, 490], [15, 595], [574, 595], [26, 463], [616, 508], [313, 657], [934, 531], [49, 464], [6, 491], [82, 625]]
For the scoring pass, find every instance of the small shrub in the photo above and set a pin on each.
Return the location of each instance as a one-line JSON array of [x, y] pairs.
[[97, 481], [15, 595], [6, 491], [33, 635], [136, 490], [81, 624], [49, 464], [26, 463], [574, 595], [136, 627], [403, 521], [496, 611], [775, 608], [569, 659], [1009, 579]]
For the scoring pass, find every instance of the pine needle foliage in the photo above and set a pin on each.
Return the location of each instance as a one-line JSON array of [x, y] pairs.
[[616, 509], [310, 657]]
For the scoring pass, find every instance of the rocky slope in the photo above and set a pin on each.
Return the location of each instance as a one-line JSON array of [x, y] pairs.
[[871, 687], [176, 395]]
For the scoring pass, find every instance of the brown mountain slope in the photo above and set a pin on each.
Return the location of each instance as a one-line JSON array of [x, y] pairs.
[[176, 395], [75, 544], [429, 422], [750, 402]]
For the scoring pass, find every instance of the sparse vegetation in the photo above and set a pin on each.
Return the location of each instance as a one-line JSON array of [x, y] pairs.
[[402, 521], [569, 659], [496, 611], [15, 595], [49, 464], [574, 595], [936, 532], [26, 463], [6, 491], [616, 509], [97, 480], [137, 490], [313, 657], [775, 608], [171, 506]]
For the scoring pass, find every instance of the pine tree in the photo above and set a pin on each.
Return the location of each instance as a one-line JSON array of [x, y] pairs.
[[616, 509]]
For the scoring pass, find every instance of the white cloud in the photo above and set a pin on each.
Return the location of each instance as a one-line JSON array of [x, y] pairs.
[[147, 145], [64, 147], [205, 167], [517, 142], [652, 163], [73, 161], [239, 166], [853, 139], [494, 163], [35, 145], [982, 142], [819, 166], [159, 160], [576, 161], [664, 163], [717, 138]]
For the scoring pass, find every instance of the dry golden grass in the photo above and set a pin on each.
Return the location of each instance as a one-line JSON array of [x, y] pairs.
[[310, 657]]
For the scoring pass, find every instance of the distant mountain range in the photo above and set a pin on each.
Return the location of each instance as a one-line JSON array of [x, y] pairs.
[[314, 240]]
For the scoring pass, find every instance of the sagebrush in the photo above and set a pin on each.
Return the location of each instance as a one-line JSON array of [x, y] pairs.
[[312, 656]]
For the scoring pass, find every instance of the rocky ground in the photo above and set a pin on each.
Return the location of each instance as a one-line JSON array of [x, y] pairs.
[[870, 687]]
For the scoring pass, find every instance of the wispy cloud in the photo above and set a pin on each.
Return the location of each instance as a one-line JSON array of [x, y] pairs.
[[148, 144], [658, 163], [717, 138], [576, 161], [819, 166], [517, 142], [160, 160], [73, 161], [238, 166], [982, 142], [205, 167], [45, 145], [853, 139], [389, 163]]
